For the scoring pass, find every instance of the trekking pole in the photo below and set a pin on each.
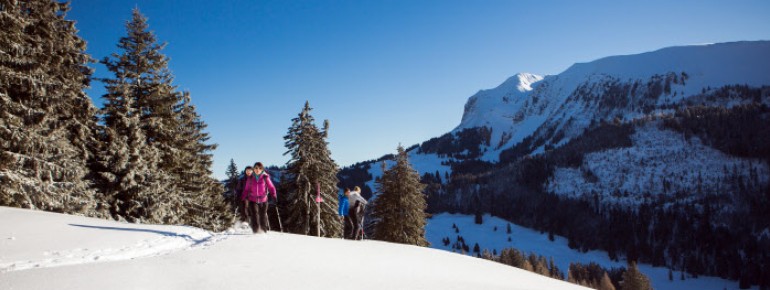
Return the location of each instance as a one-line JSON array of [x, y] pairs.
[[278, 214], [268, 217], [363, 218]]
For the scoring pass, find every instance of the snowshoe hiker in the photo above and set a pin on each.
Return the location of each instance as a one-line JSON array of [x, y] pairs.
[[240, 202], [356, 212], [255, 192], [342, 211]]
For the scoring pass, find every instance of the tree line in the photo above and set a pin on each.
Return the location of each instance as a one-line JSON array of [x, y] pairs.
[[146, 156]]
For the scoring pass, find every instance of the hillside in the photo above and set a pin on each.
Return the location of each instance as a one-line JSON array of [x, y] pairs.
[[42, 250], [644, 156]]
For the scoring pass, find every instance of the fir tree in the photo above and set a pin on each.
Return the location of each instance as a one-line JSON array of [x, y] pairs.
[[174, 150], [206, 207], [399, 210], [142, 67], [310, 166], [130, 176], [606, 283], [232, 174], [129, 180], [46, 139], [142, 64], [635, 280]]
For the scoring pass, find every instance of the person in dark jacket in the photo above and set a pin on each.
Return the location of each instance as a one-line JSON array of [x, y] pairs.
[[356, 212], [238, 195], [255, 191]]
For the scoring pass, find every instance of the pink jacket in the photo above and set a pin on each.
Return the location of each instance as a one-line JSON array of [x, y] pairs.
[[256, 189]]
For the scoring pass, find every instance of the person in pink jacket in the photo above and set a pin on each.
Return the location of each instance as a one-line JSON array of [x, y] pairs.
[[255, 191]]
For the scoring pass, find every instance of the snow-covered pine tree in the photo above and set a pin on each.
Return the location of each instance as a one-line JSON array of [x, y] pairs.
[[205, 205], [129, 178], [399, 209], [142, 64], [310, 164], [45, 117], [171, 127]]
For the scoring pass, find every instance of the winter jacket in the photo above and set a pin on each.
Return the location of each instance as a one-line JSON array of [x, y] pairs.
[[240, 186], [353, 198], [343, 208], [256, 189]]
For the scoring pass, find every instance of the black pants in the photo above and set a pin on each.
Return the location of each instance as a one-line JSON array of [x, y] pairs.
[[258, 216], [240, 206], [355, 216], [347, 227]]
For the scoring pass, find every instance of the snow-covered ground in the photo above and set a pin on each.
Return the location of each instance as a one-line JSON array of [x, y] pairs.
[[423, 163], [40, 250], [660, 162], [527, 240]]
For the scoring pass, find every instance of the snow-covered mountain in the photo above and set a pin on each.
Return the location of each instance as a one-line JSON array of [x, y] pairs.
[[681, 128], [557, 108], [535, 113], [43, 250], [547, 112]]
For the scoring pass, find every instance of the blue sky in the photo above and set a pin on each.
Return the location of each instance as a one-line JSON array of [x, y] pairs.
[[385, 72]]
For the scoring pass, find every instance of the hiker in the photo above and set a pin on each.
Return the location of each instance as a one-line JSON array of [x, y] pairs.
[[255, 197], [343, 212], [239, 197], [356, 211]]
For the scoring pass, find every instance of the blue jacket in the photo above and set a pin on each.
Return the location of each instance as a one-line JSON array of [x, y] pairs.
[[343, 209]]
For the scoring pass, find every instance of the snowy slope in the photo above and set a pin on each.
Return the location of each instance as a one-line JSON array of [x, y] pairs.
[[68, 252], [527, 105], [527, 240], [510, 110], [660, 162]]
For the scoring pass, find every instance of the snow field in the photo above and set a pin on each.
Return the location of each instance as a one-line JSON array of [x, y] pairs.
[[528, 241], [234, 259]]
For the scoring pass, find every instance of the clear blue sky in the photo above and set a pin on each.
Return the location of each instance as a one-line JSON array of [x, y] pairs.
[[385, 72]]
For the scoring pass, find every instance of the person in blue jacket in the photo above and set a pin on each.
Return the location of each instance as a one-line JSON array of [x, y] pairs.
[[343, 212]]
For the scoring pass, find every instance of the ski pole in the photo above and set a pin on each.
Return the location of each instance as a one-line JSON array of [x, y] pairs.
[[363, 218], [278, 214], [267, 205]]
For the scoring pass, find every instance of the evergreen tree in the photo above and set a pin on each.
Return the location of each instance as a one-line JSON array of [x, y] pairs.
[[130, 176], [143, 65], [232, 174], [606, 283], [635, 280], [310, 166], [173, 152], [399, 210], [203, 199], [129, 180], [46, 139]]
